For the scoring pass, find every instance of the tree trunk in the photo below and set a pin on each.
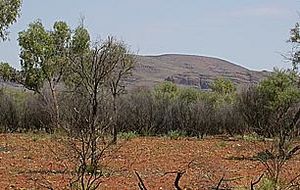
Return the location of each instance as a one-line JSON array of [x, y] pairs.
[[56, 108], [93, 132], [114, 128]]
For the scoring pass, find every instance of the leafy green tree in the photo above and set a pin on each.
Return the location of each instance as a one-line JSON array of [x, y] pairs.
[[295, 53], [7, 72], [9, 12], [44, 58], [280, 89], [80, 41], [265, 107], [295, 59], [223, 91], [223, 86], [165, 90], [280, 94], [281, 97]]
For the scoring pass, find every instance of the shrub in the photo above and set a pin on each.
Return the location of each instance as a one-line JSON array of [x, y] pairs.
[[37, 115], [9, 115], [251, 105], [127, 135], [174, 135]]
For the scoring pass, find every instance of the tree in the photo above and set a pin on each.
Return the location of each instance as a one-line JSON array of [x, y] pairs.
[[280, 89], [95, 75], [7, 72], [44, 59], [9, 12], [223, 86], [279, 97], [188, 95], [295, 53], [124, 61], [295, 56], [223, 91], [166, 90], [278, 101]]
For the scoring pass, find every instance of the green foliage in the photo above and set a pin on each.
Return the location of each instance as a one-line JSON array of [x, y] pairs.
[[264, 156], [80, 41], [165, 90], [221, 144], [79, 48], [252, 137], [19, 96], [36, 50], [281, 96], [7, 72], [176, 134], [188, 95], [128, 135], [223, 92], [90, 169], [223, 86], [60, 36], [267, 184], [280, 89], [295, 39], [9, 12], [43, 53], [268, 108], [169, 91]]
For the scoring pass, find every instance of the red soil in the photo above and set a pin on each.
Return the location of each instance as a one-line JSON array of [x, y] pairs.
[[35, 162]]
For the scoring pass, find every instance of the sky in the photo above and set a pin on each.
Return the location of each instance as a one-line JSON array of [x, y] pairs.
[[251, 33]]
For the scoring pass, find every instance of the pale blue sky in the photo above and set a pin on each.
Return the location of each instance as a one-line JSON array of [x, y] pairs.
[[251, 33]]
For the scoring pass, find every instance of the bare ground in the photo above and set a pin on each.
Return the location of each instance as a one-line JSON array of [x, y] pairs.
[[30, 161]]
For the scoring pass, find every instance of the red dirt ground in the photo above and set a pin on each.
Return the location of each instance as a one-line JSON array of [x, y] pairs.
[[37, 161]]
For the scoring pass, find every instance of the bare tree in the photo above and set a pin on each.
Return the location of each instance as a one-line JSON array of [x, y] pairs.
[[124, 62], [95, 75]]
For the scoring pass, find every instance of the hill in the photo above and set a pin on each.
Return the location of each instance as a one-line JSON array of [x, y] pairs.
[[184, 70], [189, 70]]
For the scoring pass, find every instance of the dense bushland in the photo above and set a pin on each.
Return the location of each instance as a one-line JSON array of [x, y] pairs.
[[169, 108], [266, 109]]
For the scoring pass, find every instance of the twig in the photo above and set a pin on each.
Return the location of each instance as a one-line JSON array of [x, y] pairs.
[[219, 184], [177, 179], [179, 175], [256, 182], [141, 183]]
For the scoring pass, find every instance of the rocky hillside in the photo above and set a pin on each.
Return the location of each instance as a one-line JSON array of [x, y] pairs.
[[189, 70], [184, 70]]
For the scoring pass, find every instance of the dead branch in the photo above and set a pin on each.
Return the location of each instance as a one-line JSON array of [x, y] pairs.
[[177, 179], [219, 184], [141, 183], [256, 182], [179, 175]]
